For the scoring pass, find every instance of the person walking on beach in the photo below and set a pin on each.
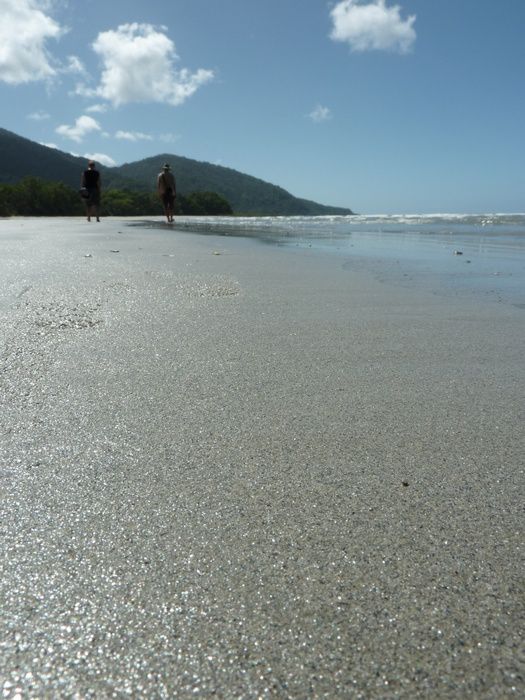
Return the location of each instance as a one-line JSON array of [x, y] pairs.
[[167, 190], [91, 182]]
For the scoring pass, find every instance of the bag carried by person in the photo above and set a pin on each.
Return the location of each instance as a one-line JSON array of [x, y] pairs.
[[84, 192]]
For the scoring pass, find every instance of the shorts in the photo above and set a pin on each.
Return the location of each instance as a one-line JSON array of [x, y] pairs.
[[93, 197], [168, 198]]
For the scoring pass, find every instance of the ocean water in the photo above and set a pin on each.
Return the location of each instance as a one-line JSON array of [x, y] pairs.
[[476, 254]]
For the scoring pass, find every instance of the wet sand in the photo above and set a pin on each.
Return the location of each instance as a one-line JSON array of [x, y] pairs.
[[235, 470]]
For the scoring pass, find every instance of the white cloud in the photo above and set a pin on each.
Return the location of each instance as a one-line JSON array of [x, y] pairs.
[[320, 114], [372, 25], [83, 125], [38, 116], [24, 31], [97, 108], [138, 66], [49, 145], [74, 65], [101, 158], [133, 136]]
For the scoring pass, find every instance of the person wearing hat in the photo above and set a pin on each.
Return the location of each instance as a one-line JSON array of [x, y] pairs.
[[167, 190], [90, 181]]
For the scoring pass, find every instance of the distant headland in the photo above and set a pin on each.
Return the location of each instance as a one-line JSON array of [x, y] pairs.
[[247, 195]]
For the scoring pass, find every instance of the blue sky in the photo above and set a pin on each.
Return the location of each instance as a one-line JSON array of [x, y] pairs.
[[383, 106]]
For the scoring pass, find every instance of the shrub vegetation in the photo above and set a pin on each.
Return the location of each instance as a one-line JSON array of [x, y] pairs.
[[33, 196]]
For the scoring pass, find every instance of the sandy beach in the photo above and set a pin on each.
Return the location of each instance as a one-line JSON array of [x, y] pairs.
[[231, 469]]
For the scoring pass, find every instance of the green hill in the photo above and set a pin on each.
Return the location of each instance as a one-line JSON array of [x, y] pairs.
[[246, 194], [20, 157]]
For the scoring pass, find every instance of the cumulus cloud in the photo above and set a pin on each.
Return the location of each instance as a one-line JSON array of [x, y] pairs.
[[139, 66], [74, 65], [320, 114], [101, 158], [83, 125], [372, 25], [24, 31], [133, 136]]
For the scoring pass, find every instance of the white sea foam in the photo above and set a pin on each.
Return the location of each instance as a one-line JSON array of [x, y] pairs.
[[345, 225]]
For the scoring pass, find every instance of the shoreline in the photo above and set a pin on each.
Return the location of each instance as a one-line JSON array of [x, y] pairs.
[[237, 467], [489, 265]]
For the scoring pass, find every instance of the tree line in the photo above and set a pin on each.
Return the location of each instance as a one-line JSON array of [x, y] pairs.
[[34, 196]]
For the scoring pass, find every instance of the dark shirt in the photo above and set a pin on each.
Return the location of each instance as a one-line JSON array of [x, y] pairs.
[[91, 178]]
